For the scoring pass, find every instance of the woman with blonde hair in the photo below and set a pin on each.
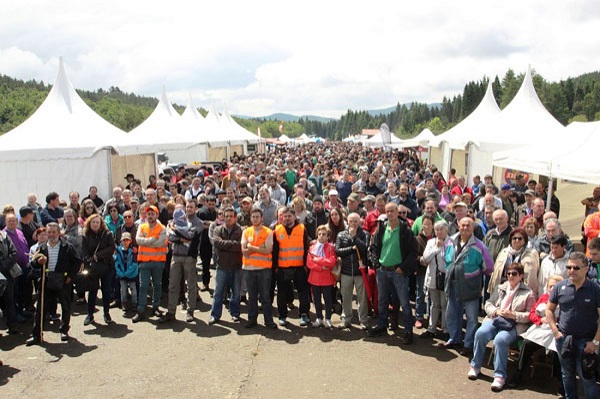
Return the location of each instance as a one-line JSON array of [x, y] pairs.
[[321, 260]]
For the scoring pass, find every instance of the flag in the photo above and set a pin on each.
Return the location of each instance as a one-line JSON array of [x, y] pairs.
[[281, 127]]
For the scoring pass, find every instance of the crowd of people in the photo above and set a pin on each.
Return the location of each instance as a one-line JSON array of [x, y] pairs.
[[328, 225]]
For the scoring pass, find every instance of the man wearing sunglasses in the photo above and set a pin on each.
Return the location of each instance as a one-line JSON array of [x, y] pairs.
[[577, 332]]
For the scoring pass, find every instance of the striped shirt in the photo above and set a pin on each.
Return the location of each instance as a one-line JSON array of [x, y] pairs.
[[52, 256]]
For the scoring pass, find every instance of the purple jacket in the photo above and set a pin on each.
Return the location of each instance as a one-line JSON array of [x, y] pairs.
[[20, 242]]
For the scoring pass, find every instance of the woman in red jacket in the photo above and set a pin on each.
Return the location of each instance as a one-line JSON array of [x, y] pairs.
[[321, 259]]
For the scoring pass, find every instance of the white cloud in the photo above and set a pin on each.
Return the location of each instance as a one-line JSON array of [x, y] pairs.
[[263, 57]]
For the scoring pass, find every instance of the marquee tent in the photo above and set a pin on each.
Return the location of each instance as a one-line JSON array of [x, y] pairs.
[[64, 146], [471, 130], [377, 141], [420, 140]]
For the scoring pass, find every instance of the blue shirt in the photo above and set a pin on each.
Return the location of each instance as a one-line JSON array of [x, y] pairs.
[[578, 309]]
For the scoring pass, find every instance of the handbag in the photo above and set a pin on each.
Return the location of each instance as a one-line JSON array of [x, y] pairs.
[[503, 324], [336, 272], [55, 281], [440, 277], [82, 279]]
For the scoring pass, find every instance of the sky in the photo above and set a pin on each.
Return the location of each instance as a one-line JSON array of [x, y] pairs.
[[256, 58]]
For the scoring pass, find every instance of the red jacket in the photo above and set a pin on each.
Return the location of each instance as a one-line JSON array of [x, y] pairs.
[[459, 191], [533, 316], [319, 276]]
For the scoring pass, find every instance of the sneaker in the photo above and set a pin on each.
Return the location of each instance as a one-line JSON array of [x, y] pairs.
[[473, 373], [138, 317], [189, 317], [235, 319], [498, 384], [212, 321], [328, 324], [271, 325], [318, 323], [88, 320], [364, 326], [282, 322], [166, 318], [64, 337], [303, 320], [157, 312], [33, 341]]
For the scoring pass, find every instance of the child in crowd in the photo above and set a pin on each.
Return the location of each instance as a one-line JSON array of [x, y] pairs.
[[126, 267], [321, 260]]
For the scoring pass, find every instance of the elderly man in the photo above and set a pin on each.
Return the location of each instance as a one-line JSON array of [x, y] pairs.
[[59, 261], [351, 246], [393, 253], [461, 211], [497, 238], [116, 200], [552, 228], [462, 188], [537, 212], [467, 260], [577, 332]]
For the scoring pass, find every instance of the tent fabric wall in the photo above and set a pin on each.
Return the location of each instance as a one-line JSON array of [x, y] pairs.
[[435, 156], [141, 166], [458, 161], [216, 154], [479, 163], [196, 153], [60, 175]]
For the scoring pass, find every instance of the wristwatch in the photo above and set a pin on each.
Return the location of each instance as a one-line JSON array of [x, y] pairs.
[[596, 343]]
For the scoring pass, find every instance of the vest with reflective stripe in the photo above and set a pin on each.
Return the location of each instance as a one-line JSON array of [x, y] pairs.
[[291, 248], [256, 259], [151, 254]]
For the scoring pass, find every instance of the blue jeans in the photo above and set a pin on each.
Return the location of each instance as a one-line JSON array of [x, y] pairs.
[[502, 340], [258, 282], [571, 366], [147, 270], [420, 307], [226, 278], [454, 316], [388, 281]]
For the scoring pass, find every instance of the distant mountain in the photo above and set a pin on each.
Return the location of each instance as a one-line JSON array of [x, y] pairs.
[[375, 112], [288, 117]]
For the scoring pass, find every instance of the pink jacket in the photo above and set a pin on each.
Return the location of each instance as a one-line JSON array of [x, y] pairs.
[[318, 276]]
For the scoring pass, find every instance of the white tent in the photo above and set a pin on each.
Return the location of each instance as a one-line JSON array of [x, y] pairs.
[[64, 146], [213, 127], [420, 140], [377, 141], [238, 132], [581, 163], [472, 130], [164, 131]]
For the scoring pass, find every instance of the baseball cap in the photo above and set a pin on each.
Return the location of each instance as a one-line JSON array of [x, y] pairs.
[[369, 198], [152, 208], [505, 186], [333, 192], [530, 192], [126, 236], [353, 197]]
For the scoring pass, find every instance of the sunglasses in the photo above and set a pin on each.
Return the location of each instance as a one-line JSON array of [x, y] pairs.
[[128, 216], [573, 267], [517, 238], [512, 274]]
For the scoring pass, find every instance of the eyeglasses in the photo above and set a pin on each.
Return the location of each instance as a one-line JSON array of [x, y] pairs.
[[220, 213], [573, 267], [128, 216], [517, 238], [403, 213], [512, 274]]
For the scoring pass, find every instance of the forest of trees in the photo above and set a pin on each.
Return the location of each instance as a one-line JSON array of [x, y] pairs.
[[572, 99]]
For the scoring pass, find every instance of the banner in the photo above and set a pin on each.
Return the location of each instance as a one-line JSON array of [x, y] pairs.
[[386, 136]]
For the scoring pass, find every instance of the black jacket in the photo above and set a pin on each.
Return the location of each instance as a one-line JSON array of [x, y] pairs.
[[8, 254], [105, 244], [408, 246], [344, 249], [68, 260]]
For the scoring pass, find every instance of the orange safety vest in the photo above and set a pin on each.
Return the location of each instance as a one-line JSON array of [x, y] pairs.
[[151, 254], [257, 259], [291, 247]]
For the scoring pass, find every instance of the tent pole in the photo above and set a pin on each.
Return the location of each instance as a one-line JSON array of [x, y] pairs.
[[550, 192]]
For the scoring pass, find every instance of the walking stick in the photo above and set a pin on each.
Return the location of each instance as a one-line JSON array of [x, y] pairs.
[[43, 294]]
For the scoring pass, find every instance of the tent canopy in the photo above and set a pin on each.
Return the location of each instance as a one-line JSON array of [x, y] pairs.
[[421, 140], [63, 127]]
